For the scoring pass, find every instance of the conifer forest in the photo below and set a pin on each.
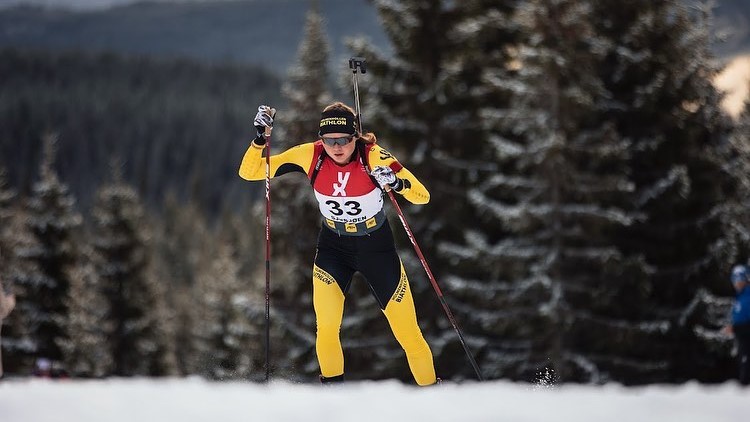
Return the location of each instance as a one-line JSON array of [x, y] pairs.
[[589, 198]]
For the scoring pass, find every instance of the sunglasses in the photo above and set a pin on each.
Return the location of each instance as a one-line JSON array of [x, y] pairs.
[[338, 141]]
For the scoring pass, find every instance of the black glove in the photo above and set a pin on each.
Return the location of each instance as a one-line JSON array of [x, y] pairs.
[[263, 119]]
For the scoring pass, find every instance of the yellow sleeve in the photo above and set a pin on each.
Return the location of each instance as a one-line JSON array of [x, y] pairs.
[[414, 191], [253, 166]]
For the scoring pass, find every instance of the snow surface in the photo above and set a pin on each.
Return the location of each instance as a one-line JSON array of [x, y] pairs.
[[193, 399]]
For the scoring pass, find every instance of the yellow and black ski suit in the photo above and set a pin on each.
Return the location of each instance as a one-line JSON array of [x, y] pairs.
[[355, 236]]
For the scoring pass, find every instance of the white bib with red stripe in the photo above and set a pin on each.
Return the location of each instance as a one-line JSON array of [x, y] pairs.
[[346, 194]]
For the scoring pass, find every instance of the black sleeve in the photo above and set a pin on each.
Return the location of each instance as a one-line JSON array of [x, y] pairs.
[[288, 168]]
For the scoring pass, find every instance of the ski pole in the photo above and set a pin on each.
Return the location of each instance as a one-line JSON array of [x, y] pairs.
[[435, 286], [267, 135], [354, 64]]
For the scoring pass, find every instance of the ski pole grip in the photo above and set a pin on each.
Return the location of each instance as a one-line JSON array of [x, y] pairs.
[[268, 129], [358, 62]]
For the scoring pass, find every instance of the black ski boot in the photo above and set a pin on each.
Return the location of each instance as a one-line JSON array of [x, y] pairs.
[[339, 379]]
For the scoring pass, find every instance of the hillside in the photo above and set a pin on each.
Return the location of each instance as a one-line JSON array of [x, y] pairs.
[[266, 32], [251, 31], [179, 127]]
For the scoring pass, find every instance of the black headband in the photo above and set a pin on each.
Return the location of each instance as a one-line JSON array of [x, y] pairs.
[[337, 121]]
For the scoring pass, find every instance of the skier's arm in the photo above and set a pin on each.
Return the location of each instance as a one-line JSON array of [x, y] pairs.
[[410, 187], [294, 159]]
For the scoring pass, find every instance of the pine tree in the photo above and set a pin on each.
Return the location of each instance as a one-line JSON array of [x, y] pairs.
[[405, 103], [306, 87], [7, 197], [7, 304], [87, 352], [417, 102], [18, 344], [738, 165], [658, 70], [548, 216], [296, 220], [141, 343], [7, 297], [424, 103], [181, 253], [228, 342], [42, 281]]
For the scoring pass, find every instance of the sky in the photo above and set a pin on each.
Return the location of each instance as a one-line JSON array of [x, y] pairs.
[[734, 81], [79, 4], [193, 399]]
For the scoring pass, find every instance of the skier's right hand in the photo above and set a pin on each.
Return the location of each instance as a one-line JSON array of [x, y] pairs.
[[263, 119], [384, 175]]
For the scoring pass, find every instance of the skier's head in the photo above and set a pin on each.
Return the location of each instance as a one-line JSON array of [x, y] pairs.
[[338, 132], [337, 118]]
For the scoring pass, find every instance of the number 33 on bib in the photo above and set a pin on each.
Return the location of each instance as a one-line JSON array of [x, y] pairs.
[[350, 198]]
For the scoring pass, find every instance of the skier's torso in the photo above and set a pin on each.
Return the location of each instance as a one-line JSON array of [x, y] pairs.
[[348, 199], [741, 308]]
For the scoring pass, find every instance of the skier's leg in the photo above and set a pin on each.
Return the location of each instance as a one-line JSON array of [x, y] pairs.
[[328, 302], [381, 266], [402, 318], [332, 273], [742, 334]]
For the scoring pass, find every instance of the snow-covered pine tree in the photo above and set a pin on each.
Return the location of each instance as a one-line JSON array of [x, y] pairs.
[[180, 252], [18, 344], [296, 220], [140, 339], [7, 197], [87, 351], [7, 248], [658, 70], [306, 87], [49, 251], [738, 165], [737, 220], [548, 216], [423, 102], [229, 344], [415, 100]]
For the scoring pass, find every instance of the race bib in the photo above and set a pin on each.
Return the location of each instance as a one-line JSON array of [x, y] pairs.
[[350, 209]]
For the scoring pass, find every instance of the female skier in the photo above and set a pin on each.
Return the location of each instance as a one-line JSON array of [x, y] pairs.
[[348, 172]]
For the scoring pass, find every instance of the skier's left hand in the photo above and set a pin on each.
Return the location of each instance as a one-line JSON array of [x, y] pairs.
[[384, 176], [263, 119]]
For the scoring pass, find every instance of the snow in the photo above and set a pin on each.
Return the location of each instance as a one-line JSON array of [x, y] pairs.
[[193, 399]]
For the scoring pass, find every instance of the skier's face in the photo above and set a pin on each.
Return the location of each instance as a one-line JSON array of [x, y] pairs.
[[341, 154]]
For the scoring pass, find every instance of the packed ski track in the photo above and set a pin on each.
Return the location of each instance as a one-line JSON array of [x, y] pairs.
[[194, 399]]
